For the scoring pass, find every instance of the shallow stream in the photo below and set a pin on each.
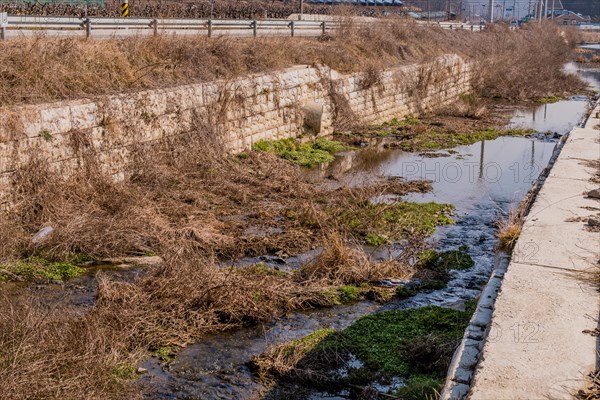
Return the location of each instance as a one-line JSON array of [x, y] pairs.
[[483, 180]]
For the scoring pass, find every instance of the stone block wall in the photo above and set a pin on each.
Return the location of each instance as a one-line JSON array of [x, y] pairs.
[[241, 112]]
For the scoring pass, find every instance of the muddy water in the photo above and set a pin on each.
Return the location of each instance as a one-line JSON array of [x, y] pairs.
[[483, 181]]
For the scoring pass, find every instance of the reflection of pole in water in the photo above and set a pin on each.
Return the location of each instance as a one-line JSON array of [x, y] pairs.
[[532, 154], [481, 159], [545, 111], [534, 110]]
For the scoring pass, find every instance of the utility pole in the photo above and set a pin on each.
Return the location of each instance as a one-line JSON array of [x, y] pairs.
[[553, 1], [301, 9], [545, 9], [529, 11], [428, 12], [491, 11]]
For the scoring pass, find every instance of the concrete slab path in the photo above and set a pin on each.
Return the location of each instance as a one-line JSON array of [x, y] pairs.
[[540, 346]]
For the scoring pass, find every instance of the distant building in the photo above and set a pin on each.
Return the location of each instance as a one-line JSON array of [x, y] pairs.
[[564, 17], [583, 7], [358, 2], [432, 15]]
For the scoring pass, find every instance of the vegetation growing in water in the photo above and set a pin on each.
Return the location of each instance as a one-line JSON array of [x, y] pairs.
[[547, 100], [452, 259], [416, 345], [436, 139], [260, 269], [433, 270], [305, 154], [467, 123], [36, 268], [380, 223]]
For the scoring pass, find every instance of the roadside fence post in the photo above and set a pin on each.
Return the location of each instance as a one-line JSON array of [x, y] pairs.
[[154, 25], [3, 25], [88, 28]]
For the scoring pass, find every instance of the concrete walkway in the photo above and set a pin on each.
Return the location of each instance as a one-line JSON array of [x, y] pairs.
[[537, 347]]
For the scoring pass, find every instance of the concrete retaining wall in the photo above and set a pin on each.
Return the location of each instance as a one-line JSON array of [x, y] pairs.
[[243, 111]]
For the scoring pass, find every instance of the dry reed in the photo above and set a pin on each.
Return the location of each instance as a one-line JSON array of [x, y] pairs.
[[42, 69]]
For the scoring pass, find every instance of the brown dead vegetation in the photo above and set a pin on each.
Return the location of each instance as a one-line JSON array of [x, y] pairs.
[[192, 204], [56, 353], [341, 263], [512, 64], [182, 190], [185, 200], [509, 63]]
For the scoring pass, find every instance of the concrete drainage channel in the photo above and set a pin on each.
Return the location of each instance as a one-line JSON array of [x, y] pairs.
[[462, 368], [481, 328]]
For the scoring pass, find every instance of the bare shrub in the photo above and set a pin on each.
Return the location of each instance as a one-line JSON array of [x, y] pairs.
[[515, 65]]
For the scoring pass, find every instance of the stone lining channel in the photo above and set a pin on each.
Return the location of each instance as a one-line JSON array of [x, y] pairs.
[[466, 358], [481, 328], [217, 367]]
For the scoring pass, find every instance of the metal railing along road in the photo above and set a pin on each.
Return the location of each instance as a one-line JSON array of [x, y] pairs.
[[110, 27]]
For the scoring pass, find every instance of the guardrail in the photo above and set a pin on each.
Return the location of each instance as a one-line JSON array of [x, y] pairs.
[[456, 26], [591, 27], [106, 27]]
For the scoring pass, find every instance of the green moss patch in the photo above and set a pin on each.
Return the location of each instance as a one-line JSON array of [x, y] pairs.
[[453, 259], [547, 100], [383, 341], [260, 269], [438, 132], [124, 372], [436, 139], [433, 270], [414, 345], [307, 343], [381, 223], [421, 387], [346, 294], [305, 154], [35, 268]]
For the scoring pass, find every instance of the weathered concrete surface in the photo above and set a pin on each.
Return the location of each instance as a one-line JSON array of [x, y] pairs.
[[537, 348], [276, 105]]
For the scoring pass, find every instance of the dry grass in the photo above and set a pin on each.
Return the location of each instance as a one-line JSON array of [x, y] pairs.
[[508, 233], [188, 298], [56, 353], [43, 69], [342, 263], [589, 37], [189, 9], [512, 62], [509, 228], [191, 204], [187, 201], [592, 392]]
